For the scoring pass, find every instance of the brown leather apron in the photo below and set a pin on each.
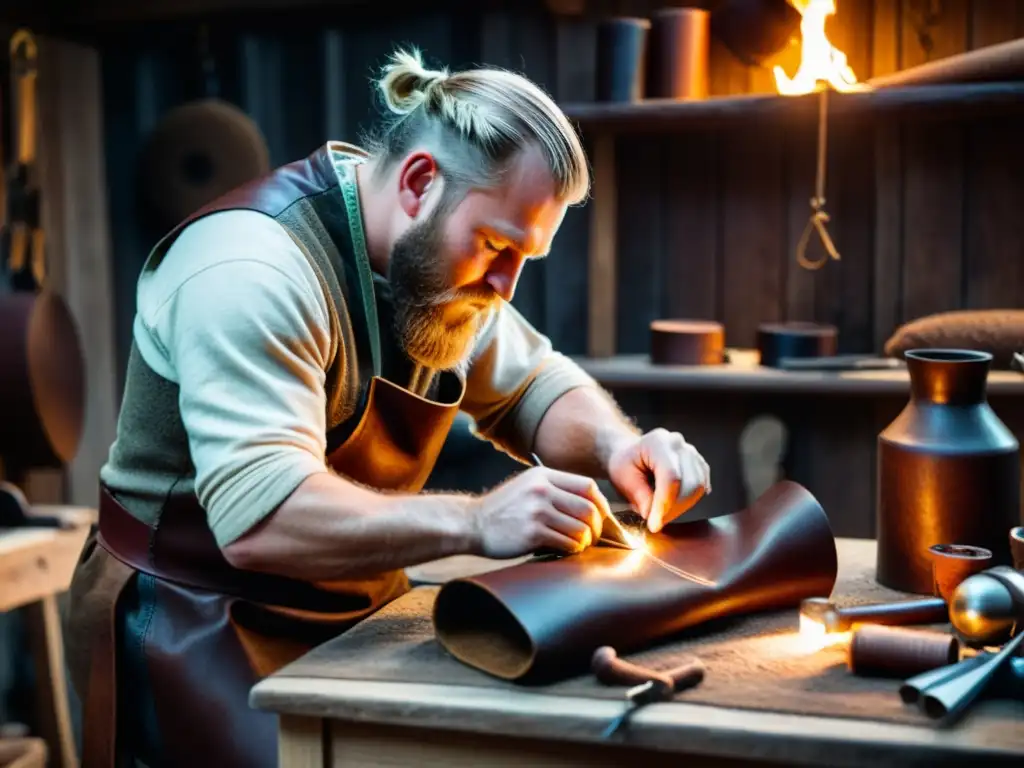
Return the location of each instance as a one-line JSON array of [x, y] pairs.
[[214, 631]]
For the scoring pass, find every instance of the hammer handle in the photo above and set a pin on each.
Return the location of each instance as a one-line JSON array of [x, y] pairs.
[[611, 670]]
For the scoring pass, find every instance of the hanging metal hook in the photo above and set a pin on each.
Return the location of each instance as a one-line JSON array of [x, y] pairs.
[[27, 237], [23, 37], [819, 217], [24, 53]]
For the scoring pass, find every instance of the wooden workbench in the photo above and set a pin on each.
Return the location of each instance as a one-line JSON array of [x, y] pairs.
[[336, 719], [36, 565]]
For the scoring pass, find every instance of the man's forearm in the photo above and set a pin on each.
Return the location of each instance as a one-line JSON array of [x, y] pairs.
[[332, 529], [581, 430]]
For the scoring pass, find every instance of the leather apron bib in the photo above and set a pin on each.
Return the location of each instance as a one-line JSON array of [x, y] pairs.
[[214, 630]]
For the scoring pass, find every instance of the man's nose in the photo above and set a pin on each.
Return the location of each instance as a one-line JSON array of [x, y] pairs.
[[504, 273]]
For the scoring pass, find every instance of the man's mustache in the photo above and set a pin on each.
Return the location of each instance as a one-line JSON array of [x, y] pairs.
[[482, 297]]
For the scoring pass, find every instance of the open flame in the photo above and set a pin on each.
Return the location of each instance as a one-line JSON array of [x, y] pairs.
[[813, 636], [820, 61]]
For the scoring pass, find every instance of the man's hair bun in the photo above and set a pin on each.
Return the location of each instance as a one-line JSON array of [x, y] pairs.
[[406, 83], [474, 122]]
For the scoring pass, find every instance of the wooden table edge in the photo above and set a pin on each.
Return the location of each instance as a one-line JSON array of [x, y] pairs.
[[678, 727], [638, 372]]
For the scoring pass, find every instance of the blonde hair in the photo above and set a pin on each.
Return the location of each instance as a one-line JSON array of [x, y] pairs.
[[475, 122]]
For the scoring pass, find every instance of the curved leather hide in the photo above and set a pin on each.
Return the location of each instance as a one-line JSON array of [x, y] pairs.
[[541, 620]]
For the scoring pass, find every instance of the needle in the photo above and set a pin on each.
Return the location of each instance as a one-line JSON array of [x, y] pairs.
[[618, 534]]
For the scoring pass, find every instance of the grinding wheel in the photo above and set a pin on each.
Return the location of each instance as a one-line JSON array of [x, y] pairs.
[[42, 381], [198, 152]]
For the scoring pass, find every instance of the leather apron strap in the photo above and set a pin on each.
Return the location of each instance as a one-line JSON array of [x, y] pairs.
[[350, 193], [106, 579]]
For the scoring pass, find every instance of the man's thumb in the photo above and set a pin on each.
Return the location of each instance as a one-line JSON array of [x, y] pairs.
[[637, 491]]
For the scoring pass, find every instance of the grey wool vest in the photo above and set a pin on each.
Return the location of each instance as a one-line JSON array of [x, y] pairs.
[[150, 462]]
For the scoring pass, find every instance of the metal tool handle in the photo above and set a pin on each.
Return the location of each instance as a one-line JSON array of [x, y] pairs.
[[609, 669], [925, 610], [647, 685]]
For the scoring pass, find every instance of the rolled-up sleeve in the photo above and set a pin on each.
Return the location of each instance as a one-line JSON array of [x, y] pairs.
[[513, 378], [247, 341]]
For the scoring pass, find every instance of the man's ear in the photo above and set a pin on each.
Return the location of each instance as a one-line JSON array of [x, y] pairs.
[[417, 173]]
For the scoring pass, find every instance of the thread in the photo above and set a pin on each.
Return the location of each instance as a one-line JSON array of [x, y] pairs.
[[680, 572], [880, 651], [634, 524]]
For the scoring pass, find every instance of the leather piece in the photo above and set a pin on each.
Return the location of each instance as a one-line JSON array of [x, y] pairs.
[[541, 620], [206, 649], [273, 193], [90, 634], [1000, 332], [183, 551], [201, 668], [402, 427]]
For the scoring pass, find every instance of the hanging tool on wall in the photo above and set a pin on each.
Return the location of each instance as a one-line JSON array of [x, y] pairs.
[[42, 368], [24, 240]]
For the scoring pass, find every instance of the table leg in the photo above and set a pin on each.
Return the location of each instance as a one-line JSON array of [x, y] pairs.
[[301, 742], [42, 621]]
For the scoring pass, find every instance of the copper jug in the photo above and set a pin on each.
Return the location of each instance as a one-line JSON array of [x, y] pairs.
[[948, 470]]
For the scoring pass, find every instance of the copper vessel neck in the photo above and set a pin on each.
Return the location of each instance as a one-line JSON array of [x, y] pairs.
[[948, 376]]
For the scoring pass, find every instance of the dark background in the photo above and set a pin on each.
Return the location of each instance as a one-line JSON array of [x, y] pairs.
[[928, 216]]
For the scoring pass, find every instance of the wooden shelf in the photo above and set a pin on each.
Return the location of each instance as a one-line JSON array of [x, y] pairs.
[[637, 372], [920, 102]]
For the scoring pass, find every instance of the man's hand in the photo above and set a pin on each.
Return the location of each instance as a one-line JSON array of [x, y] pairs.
[[540, 508], [681, 476]]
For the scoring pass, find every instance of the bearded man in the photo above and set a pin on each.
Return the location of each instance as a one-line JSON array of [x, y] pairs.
[[301, 347]]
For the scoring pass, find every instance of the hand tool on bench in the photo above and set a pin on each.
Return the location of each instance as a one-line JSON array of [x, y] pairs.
[[647, 685], [613, 532], [834, 618], [15, 511]]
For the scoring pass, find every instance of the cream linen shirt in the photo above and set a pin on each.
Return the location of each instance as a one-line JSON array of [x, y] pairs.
[[236, 317]]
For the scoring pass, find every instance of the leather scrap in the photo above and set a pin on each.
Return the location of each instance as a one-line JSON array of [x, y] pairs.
[[541, 620]]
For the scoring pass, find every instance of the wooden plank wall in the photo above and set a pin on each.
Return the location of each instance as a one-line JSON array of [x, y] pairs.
[[925, 216], [73, 183], [71, 177]]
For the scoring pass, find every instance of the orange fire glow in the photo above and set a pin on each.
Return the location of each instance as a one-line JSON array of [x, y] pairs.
[[813, 637], [820, 61]]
